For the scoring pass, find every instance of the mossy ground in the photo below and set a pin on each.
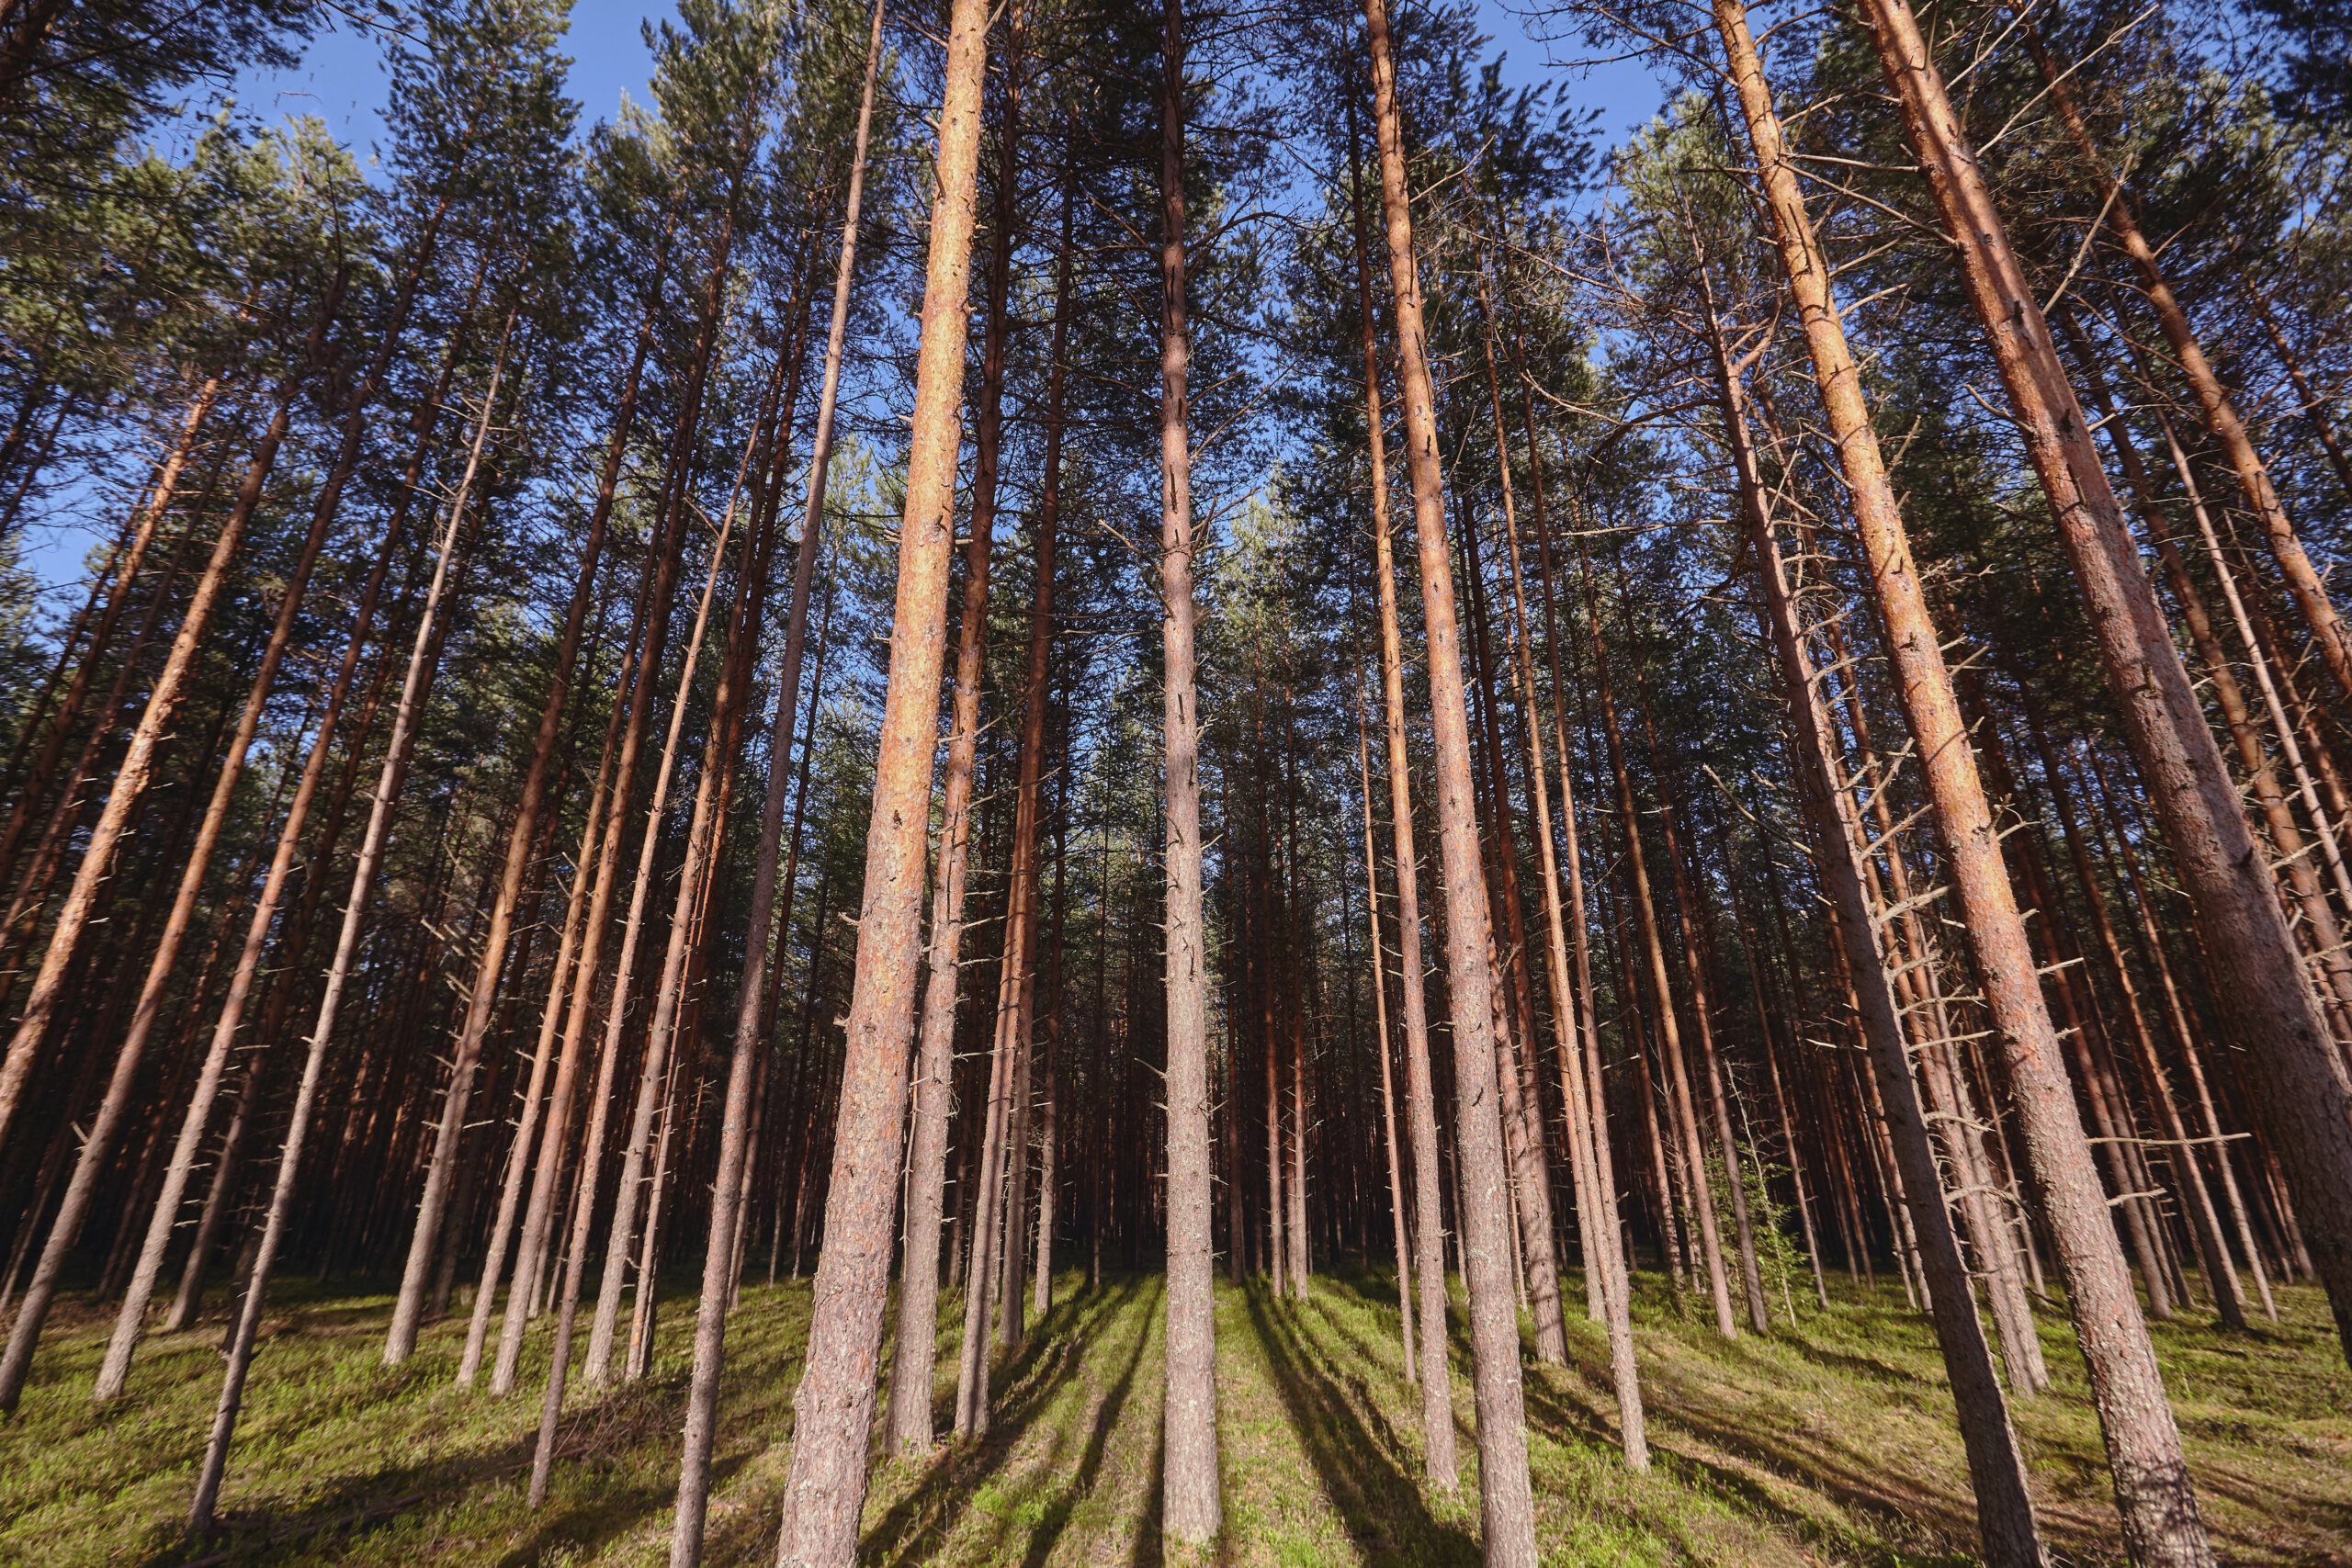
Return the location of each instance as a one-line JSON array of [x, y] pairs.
[[1830, 1442]]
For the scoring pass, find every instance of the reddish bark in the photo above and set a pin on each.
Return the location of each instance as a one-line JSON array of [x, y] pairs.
[[825, 1487]]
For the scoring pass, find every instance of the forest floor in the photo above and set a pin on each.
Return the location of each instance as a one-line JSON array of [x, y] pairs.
[[1829, 1442]]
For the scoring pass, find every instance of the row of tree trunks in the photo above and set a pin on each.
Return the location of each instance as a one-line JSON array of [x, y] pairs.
[[2152, 1490], [130, 1320], [423, 656], [2301, 1086]]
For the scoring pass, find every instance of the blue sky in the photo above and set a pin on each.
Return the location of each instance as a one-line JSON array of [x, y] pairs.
[[341, 81]]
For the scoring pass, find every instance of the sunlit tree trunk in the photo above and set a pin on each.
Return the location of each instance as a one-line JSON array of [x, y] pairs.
[[750, 1038], [1507, 1504], [1428, 1228], [1192, 1510], [825, 1486]]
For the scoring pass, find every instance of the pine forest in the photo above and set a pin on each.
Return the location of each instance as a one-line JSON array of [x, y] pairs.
[[1158, 782]]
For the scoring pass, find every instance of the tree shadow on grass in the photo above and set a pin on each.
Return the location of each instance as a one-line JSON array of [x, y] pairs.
[[589, 1517], [1363, 1474], [1089, 1463], [1052, 1355], [1898, 1520]]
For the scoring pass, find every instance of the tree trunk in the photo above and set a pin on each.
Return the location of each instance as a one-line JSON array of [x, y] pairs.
[[35, 782], [1380, 1043], [1191, 1510], [1507, 1504], [990, 1232], [1680, 1113], [719, 1270], [825, 1487], [1420, 1099]]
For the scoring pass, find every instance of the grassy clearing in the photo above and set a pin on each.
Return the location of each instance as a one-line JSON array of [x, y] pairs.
[[1827, 1443]]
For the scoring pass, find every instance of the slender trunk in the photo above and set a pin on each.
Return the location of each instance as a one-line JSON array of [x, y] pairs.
[[1421, 1099], [1380, 1043], [1507, 1504], [2221, 1276], [825, 1487], [1192, 1509], [982, 1281], [2313, 405], [2294, 861], [657, 585], [363, 879], [727, 1216], [1041, 1291], [1521, 1106], [1591, 1107], [596, 1367], [2152, 1490], [1702, 1011], [917, 1342], [1952, 164]]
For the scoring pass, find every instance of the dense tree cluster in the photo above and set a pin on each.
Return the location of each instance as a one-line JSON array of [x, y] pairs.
[[991, 640]]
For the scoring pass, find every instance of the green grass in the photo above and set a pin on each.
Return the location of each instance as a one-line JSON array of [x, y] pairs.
[[1829, 1442]]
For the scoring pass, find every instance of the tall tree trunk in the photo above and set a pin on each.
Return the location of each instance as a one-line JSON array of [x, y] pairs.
[[720, 1269], [1192, 1510], [2221, 1277], [1380, 1043], [825, 1487], [2299, 1081], [2151, 1484], [1420, 1099], [421, 657], [595, 1366], [2005, 1520], [988, 1229], [1507, 1503], [1041, 1291]]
